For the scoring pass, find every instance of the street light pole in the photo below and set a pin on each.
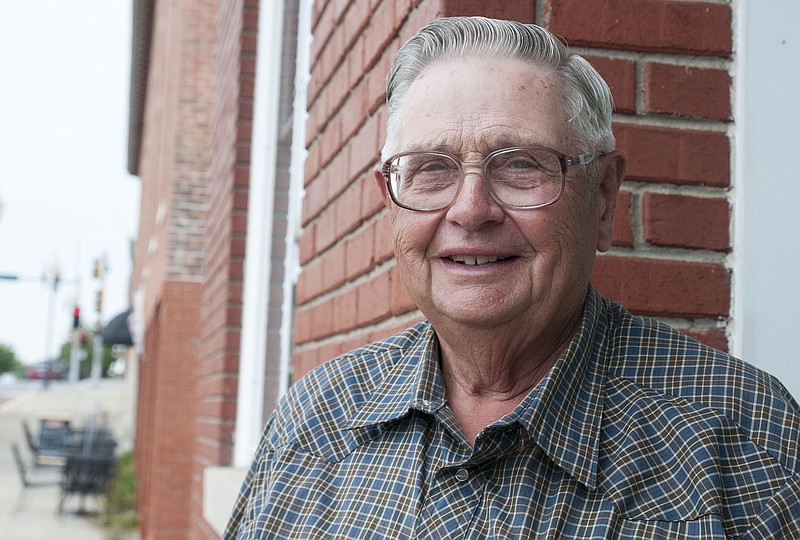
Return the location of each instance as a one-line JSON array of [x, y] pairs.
[[101, 266], [51, 312], [54, 281]]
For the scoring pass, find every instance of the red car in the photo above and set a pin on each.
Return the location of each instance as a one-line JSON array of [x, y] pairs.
[[52, 369]]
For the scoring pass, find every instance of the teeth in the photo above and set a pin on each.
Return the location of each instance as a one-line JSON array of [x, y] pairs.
[[472, 260]]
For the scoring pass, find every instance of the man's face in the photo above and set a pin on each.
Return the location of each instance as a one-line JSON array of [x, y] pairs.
[[540, 259]]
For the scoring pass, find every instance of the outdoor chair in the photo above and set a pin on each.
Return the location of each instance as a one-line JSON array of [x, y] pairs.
[[22, 469], [85, 475], [50, 447], [88, 466]]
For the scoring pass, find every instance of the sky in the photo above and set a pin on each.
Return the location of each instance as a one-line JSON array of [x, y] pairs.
[[67, 198]]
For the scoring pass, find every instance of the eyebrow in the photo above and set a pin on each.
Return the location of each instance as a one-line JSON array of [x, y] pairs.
[[490, 146]]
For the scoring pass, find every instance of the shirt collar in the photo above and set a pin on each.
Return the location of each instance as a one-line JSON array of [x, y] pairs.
[[413, 382], [562, 414]]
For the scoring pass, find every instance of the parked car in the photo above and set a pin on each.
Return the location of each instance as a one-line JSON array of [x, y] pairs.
[[50, 369]]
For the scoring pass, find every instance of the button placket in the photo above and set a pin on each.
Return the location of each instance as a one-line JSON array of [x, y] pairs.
[[452, 502]]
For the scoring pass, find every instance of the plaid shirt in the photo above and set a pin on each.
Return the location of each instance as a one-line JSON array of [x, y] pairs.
[[636, 432]]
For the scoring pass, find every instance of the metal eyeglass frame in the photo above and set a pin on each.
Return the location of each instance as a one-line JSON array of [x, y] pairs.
[[564, 160]]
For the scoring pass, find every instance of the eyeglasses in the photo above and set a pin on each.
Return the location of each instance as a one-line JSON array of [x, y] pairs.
[[522, 178]]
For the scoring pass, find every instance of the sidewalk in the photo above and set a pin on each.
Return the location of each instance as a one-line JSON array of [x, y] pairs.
[[31, 513]]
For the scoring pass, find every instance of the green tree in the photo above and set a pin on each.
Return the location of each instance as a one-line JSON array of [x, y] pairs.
[[9, 363]]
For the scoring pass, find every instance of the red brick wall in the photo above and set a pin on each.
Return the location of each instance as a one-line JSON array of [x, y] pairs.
[[194, 169], [163, 452], [667, 63], [221, 312]]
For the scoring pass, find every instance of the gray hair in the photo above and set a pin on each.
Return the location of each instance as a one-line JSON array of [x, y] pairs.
[[588, 100]]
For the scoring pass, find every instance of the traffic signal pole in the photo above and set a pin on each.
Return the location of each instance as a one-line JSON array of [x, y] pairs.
[[54, 280], [74, 348]]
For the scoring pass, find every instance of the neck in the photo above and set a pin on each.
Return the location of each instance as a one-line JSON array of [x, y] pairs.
[[488, 372]]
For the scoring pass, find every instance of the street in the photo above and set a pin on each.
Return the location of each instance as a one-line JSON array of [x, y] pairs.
[[11, 387]]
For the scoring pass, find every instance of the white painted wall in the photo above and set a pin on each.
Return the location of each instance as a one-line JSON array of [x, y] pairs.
[[260, 204], [766, 258]]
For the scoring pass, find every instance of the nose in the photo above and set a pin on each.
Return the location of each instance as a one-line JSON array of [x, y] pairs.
[[474, 206]]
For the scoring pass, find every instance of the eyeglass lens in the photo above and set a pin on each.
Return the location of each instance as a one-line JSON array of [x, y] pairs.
[[517, 177]]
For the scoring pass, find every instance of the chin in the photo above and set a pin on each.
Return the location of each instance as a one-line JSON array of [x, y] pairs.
[[473, 312]]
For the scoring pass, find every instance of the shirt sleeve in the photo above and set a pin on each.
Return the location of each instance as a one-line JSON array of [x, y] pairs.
[[780, 517], [242, 515]]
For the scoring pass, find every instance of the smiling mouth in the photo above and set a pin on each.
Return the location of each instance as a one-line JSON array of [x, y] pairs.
[[472, 260]]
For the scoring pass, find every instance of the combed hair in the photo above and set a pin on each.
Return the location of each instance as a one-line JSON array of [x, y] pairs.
[[588, 100]]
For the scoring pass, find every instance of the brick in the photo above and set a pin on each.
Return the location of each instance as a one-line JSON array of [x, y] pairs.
[[340, 6], [374, 95], [664, 287], [665, 26], [242, 153], [351, 114], [353, 24], [249, 42], [331, 143], [677, 156], [306, 244], [348, 345], [322, 320], [623, 227], [359, 253], [384, 239], [401, 7], [425, 13], [400, 301], [687, 222], [336, 176], [523, 11], [333, 267], [322, 31], [326, 230], [337, 89], [314, 200], [364, 149], [371, 202], [687, 91], [317, 9], [348, 210], [345, 310], [620, 74], [374, 299], [310, 282], [303, 363], [713, 337], [355, 61], [302, 326], [380, 31]]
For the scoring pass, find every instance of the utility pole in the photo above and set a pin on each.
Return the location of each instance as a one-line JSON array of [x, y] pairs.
[[53, 279], [100, 268], [74, 348], [51, 312]]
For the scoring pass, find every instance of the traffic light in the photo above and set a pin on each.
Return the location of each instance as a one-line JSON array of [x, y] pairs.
[[99, 268], [99, 301], [84, 340], [76, 318]]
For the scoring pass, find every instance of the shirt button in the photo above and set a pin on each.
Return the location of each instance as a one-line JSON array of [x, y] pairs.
[[462, 475]]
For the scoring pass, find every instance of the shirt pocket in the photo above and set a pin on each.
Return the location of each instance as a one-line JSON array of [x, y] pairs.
[[707, 527]]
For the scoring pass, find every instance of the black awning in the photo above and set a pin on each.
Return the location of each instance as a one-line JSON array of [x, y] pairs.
[[117, 331]]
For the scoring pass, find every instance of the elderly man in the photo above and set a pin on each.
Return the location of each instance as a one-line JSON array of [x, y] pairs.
[[526, 405]]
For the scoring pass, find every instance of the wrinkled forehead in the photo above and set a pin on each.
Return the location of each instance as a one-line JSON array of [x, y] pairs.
[[482, 104]]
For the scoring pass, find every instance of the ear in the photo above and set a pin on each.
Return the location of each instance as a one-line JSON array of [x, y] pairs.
[[382, 189], [612, 175]]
